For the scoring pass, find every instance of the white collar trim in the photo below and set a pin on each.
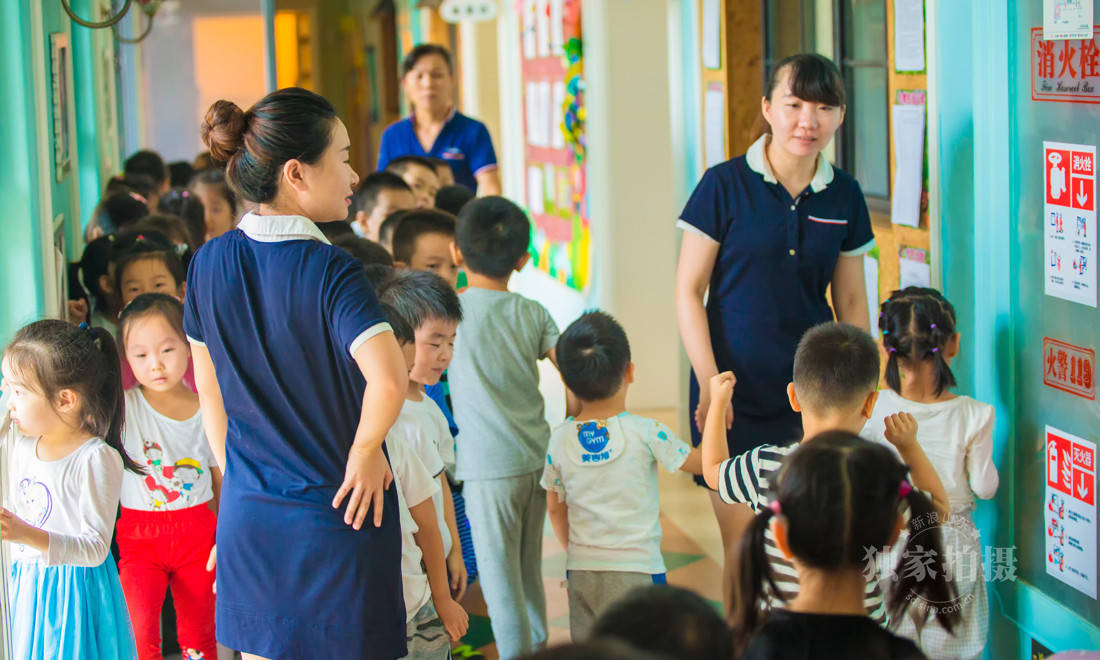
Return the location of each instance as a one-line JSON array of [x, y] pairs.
[[276, 228], [758, 163]]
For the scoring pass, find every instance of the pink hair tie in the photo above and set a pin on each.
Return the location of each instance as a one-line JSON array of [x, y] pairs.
[[138, 197], [904, 488], [776, 509]]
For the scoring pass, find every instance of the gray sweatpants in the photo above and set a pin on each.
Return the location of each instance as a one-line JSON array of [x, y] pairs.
[[592, 592], [506, 520]]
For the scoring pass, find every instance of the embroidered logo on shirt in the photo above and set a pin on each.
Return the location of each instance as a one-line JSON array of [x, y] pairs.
[[453, 153], [827, 221]]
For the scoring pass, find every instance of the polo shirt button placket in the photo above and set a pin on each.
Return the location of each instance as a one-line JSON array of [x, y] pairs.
[[794, 224]]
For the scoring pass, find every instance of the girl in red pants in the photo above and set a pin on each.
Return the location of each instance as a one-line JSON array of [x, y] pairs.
[[166, 531]]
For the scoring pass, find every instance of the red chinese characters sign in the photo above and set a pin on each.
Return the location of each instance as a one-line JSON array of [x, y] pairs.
[[1069, 368], [1065, 70]]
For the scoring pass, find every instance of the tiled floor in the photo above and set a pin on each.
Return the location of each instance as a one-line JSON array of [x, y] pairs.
[[690, 545]]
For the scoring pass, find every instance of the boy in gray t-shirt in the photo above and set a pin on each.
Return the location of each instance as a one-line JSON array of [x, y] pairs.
[[497, 404]]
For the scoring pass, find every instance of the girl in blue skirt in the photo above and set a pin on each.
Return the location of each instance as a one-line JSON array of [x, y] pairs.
[[64, 470]]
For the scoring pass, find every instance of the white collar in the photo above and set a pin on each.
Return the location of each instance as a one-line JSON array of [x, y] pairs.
[[276, 228], [757, 162]]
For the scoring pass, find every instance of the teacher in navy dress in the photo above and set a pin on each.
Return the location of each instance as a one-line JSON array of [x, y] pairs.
[[300, 378], [435, 129], [767, 234]]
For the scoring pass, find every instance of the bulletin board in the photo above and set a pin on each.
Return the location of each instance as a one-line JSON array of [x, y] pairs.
[[729, 120], [552, 72], [903, 252]]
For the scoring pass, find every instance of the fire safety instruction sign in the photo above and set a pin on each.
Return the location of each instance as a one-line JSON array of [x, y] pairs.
[[1070, 511], [1069, 219]]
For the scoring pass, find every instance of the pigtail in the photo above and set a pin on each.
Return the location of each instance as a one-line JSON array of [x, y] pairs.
[[891, 322], [932, 584], [755, 578], [108, 412], [916, 325]]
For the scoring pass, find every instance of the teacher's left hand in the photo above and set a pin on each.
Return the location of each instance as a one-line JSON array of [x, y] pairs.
[[367, 477]]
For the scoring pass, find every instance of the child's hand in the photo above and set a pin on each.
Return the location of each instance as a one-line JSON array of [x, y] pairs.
[[901, 430], [78, 311], [13, 528], [721, 388], [454, 618], [456, 569]]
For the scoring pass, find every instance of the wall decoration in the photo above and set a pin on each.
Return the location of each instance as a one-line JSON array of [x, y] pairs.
[[62, 122]]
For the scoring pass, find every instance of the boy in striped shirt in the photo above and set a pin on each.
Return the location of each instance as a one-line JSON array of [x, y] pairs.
[[836, 374]]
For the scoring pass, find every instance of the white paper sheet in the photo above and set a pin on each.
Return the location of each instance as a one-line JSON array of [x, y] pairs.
[[536, 196], [714, 126], [870, 281], [909, 35], [542, 27], [909, 153], [1067, 19], [712, 34], [914, 273], [530, 103], [557, 100], [544, 115], [557, 27], [528, 12]]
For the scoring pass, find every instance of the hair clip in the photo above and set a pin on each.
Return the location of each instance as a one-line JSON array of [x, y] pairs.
[[83, 325], [185, 194], [904, 488], [893, 350], [885, 332], [775, 508], [138, 197], [936, 350], [140, 237], [932, 327]]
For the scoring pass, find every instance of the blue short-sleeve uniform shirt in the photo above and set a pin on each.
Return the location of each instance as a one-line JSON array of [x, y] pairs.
[[281, 312], [464, 143], [776, 257]]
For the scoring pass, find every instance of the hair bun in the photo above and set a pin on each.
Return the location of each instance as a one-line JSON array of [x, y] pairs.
[[222, 130]]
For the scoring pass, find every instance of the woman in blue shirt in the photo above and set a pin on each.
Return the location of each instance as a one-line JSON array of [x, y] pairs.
[[436, 129], [767, 233], [286, 332]]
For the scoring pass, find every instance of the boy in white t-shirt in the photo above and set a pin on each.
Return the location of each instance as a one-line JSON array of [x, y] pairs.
[[601, 474], [430, 306], [433, 618]]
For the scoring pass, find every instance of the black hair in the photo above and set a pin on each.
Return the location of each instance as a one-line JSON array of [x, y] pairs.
[[493, 235], [119, 210], [841, 496], [141, 184], [401, 164], [335, 229], [593, 354], [452, 198], [53, 355], [366, 251], [366, 195], [171, 227], [216, 178], [290, 123], [389, 225], [836, 366], [595, 649], [423, 50], [180, 173], [416, 224], [185, 204], [917, 323], [420, 296], [95, 262], [135, 246], [204, 161], [149, 163], [814, 78], [675, 622], [150, 304], [402, 329], [379, 274]]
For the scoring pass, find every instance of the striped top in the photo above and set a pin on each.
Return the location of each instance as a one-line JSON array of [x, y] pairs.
[[746, 479]]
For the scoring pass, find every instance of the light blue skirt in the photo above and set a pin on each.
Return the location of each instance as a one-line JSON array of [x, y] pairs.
[[71, 612]]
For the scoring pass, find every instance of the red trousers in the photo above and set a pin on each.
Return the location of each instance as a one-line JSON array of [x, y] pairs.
[[162, 549]]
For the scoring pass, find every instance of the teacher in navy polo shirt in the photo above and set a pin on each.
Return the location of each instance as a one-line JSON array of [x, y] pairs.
[[435, 128], [767, 233]]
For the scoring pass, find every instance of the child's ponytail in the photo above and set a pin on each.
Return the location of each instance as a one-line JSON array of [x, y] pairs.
[[931, 583], [755, 579], [106, 409]]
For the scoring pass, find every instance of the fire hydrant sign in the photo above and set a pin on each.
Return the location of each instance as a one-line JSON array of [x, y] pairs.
[[1070, 511], [1069, 219]]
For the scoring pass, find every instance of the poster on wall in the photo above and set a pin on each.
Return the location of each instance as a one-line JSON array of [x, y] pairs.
[[1067, 19], [1065, 71], [1069, 221], [554, 138], [1070, 510]]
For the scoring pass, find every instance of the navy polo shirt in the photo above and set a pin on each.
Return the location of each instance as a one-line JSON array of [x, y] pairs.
[[464, 143], [777, 255]]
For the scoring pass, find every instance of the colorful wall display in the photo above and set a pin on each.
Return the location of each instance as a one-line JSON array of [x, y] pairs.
[[552, 47]]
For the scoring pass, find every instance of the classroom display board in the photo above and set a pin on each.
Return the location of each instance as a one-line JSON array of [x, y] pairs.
[[552, 48]]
